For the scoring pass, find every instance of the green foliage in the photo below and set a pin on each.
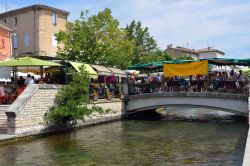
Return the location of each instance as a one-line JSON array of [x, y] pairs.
[[156, 56], [145, 46], [185, 58], [96, 40], [247, 73], [58, 77], [71, 101]]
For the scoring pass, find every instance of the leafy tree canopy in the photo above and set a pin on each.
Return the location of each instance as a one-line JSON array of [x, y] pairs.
[[145, 46], [156, 56], [96, 40], [185, 58]]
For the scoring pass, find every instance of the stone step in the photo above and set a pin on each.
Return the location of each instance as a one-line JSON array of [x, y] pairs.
[[3, 131], [3, 118], [3, 121], [4, 107], [3, 126]]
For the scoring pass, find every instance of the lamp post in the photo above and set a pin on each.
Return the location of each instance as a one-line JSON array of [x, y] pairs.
[[12, 34]]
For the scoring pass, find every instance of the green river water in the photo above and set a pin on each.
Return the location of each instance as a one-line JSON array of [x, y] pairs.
[[134, 142]]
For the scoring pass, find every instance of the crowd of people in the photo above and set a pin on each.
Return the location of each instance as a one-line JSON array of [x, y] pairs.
[[9, 91], [111, 86], [105, 87], [214, 81]]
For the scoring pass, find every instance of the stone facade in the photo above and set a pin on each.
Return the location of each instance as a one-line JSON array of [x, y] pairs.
[[34, 25]]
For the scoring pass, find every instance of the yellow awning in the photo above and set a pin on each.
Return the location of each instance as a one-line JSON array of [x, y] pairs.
[[87, 67], [186, 69]]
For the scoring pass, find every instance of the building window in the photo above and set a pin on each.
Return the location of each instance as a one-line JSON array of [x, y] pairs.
[[15, 21], [26, 40], [54, 18], [15, 42], [54, 41]]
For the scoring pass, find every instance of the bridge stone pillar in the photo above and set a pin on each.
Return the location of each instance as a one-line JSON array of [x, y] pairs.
[[11, 123]]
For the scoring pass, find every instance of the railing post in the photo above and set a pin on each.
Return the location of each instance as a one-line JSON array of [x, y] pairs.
[[125, 88]]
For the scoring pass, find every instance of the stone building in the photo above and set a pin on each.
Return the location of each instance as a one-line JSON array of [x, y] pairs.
[[210, 53], [195, 54], [35, 27], [181, 51]]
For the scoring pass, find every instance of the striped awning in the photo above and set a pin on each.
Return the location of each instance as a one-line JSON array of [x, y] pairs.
[[101, 70], [117, 72]]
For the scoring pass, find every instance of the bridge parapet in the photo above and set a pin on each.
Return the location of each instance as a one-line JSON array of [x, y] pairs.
[[191, 94], [235, 103], [217, 86]]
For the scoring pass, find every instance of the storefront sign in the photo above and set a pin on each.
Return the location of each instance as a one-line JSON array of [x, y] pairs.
[[4, 44]]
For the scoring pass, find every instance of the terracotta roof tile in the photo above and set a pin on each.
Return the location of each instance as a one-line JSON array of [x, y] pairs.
[[36, 6], [209, 50], [184, 50], [5, 27]]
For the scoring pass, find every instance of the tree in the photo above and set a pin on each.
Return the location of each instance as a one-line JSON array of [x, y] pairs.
[[71, 101], [144, 45], [96, 40], [155, 56], [185, 58]]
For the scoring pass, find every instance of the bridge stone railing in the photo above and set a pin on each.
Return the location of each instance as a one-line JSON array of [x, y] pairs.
[[236, 103], [227, 86], [191, 94]]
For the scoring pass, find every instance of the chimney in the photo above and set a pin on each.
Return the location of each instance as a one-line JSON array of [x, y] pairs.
[[170, 46]]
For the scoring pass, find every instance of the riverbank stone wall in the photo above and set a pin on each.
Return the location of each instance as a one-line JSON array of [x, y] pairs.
[[26, 114]]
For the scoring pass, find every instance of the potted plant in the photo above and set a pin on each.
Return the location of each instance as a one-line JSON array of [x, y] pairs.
[[94, 95], [109, 94]]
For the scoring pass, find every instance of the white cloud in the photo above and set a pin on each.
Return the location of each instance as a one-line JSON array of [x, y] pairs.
[[199, 23]]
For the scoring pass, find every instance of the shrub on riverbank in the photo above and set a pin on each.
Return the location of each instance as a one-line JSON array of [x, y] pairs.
[[72, 100]]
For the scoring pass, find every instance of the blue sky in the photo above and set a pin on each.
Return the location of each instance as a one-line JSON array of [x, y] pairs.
[[221, 24]]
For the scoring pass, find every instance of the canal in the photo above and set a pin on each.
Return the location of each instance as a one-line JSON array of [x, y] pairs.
[[135, 142]]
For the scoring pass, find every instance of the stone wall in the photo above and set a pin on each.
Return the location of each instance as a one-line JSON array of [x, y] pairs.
[[26, 114], [29, 108], [33, 112]]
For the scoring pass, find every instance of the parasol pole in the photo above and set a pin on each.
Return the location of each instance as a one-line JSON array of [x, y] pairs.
[[41, 72]]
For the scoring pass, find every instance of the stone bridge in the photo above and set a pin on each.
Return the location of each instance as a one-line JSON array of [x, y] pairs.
[[234, 103]]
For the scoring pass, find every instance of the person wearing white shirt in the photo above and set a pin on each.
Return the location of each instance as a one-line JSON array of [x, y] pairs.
[[29, 80]]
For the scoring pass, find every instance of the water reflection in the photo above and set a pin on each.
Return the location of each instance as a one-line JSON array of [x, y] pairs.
[[133, 142]]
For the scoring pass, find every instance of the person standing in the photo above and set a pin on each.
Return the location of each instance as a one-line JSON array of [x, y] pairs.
[[20, 82], [29, 80], [241, 78]]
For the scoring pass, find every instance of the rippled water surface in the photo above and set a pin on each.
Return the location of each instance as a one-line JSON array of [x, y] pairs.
[[135, 142]]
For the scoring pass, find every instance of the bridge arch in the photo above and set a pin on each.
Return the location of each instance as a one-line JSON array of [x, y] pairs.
[[233, 103]]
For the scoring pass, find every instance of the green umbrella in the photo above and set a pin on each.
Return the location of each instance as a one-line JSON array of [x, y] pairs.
[[27, 61]]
